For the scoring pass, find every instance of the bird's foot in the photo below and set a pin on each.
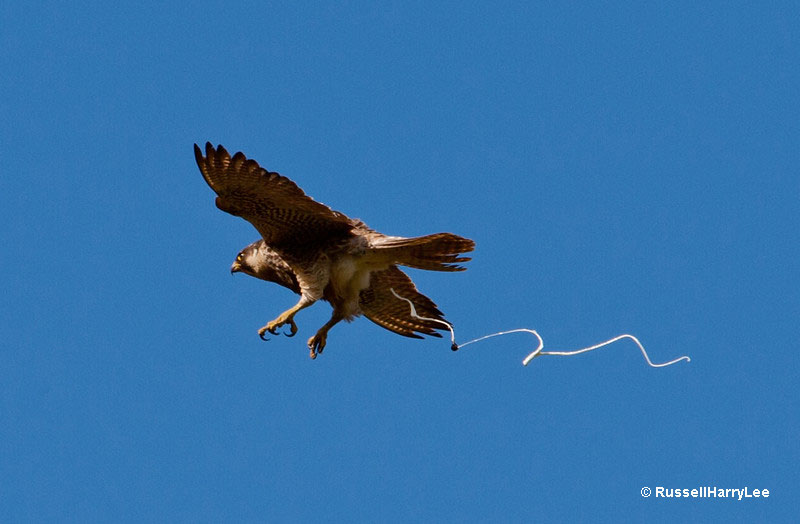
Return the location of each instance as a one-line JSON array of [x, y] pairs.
[[273, 326], [317, 343]]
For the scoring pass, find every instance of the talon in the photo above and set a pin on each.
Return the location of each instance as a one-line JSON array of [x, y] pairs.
[[292, 328], [261, 333], [316, 344]]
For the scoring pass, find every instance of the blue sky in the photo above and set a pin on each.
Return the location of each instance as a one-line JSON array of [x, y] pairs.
[[622, 167]]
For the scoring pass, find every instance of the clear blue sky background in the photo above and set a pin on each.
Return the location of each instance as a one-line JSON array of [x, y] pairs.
[[622, 167]]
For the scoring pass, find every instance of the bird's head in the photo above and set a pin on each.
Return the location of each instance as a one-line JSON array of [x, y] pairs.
[[248, 260], [260, 261]]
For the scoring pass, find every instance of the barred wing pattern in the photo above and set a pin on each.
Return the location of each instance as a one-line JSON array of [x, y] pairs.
[[380, 306], [285, 216]]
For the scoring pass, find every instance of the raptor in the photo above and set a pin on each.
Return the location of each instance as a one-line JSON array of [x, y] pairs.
[[320, 253]]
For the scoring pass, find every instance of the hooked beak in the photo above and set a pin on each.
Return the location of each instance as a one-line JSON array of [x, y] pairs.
[[236, 267]]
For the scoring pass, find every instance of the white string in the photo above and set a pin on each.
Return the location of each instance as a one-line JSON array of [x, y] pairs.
[[538, 351]]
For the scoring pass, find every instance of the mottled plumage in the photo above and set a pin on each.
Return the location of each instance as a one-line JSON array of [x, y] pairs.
[[322, 254]]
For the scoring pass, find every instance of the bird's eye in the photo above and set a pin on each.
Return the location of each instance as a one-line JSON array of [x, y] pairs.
[[239, 256]]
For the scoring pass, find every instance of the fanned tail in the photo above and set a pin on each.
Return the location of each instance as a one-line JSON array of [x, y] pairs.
[[437, 252]]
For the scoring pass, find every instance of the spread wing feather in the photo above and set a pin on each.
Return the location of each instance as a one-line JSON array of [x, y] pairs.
[[380, 306], [284, 215]]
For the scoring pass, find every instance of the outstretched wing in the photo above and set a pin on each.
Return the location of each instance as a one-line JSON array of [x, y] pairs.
[[380, 306], [284, 215]]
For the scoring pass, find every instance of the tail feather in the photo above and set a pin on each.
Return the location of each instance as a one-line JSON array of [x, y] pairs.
[[437, 252]]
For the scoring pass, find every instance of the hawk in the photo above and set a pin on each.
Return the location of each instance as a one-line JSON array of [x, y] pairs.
[[320, 253]]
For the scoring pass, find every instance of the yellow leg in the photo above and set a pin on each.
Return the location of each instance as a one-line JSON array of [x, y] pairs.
[[287, 317], [317, 343]]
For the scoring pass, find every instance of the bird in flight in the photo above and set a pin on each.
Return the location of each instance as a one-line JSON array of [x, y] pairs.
[[320, 253]]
